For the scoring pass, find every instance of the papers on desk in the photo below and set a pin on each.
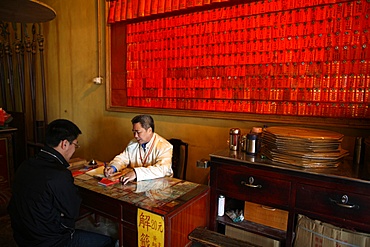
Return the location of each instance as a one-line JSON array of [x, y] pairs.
[[81, 171], [80, 166], [76, 163], [106, 181], [97, 172], [84, 177]]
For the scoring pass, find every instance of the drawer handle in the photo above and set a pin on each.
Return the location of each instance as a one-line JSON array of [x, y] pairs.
[[268, 208], [346, 205], [343, 203], [252, 185]]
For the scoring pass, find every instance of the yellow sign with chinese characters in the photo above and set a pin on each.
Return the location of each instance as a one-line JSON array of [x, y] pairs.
[[150, 228]]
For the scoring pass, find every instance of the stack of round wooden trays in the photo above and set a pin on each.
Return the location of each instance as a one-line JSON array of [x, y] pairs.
[[303, 147]]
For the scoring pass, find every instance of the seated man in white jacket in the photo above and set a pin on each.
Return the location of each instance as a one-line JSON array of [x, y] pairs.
[[149, 154]]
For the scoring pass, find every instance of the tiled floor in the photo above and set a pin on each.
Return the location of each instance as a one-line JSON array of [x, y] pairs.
[[106, 227]]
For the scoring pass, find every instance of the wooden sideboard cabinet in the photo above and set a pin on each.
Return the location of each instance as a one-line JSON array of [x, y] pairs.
[[6, 166], [6, 157], [339, 196]]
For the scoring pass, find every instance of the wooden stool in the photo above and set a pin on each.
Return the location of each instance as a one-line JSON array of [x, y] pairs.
[[210, 238]]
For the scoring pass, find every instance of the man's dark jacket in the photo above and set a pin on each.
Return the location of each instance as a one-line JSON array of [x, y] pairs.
[[45, 202]]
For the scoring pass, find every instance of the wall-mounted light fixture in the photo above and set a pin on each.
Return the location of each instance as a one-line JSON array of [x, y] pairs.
[[98, 80]]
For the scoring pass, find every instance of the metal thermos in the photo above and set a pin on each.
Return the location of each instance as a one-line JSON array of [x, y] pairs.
[[234, 139], [252, 143]]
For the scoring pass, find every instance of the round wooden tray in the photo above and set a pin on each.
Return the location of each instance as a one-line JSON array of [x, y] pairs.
[[25, 11], [304, 133]]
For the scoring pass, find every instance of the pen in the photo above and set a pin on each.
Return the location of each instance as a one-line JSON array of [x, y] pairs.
[[105, 167]]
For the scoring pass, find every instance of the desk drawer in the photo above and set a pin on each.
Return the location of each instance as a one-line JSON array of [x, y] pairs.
[[334, 203], [253, 185], [129, 213], [102, 204]]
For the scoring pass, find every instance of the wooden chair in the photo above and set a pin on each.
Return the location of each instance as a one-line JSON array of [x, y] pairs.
[[179, 158]]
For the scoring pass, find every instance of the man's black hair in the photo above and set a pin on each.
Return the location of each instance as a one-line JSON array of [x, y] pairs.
[[146, 121], [59, 130]]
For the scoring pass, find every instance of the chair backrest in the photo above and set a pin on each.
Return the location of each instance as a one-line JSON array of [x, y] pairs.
[[179, 158]]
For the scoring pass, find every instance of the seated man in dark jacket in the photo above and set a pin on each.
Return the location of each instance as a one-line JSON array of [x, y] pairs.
[[45, 202]]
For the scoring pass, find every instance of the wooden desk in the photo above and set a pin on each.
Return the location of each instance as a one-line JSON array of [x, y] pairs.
[[316, 193], [183, 205]]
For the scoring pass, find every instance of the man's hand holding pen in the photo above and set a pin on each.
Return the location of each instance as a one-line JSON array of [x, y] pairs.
[[124, 179], [108, 171]]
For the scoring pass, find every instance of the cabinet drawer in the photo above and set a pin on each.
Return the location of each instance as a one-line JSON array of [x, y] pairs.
[[253, 185], [341, 204], [268, 216]]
